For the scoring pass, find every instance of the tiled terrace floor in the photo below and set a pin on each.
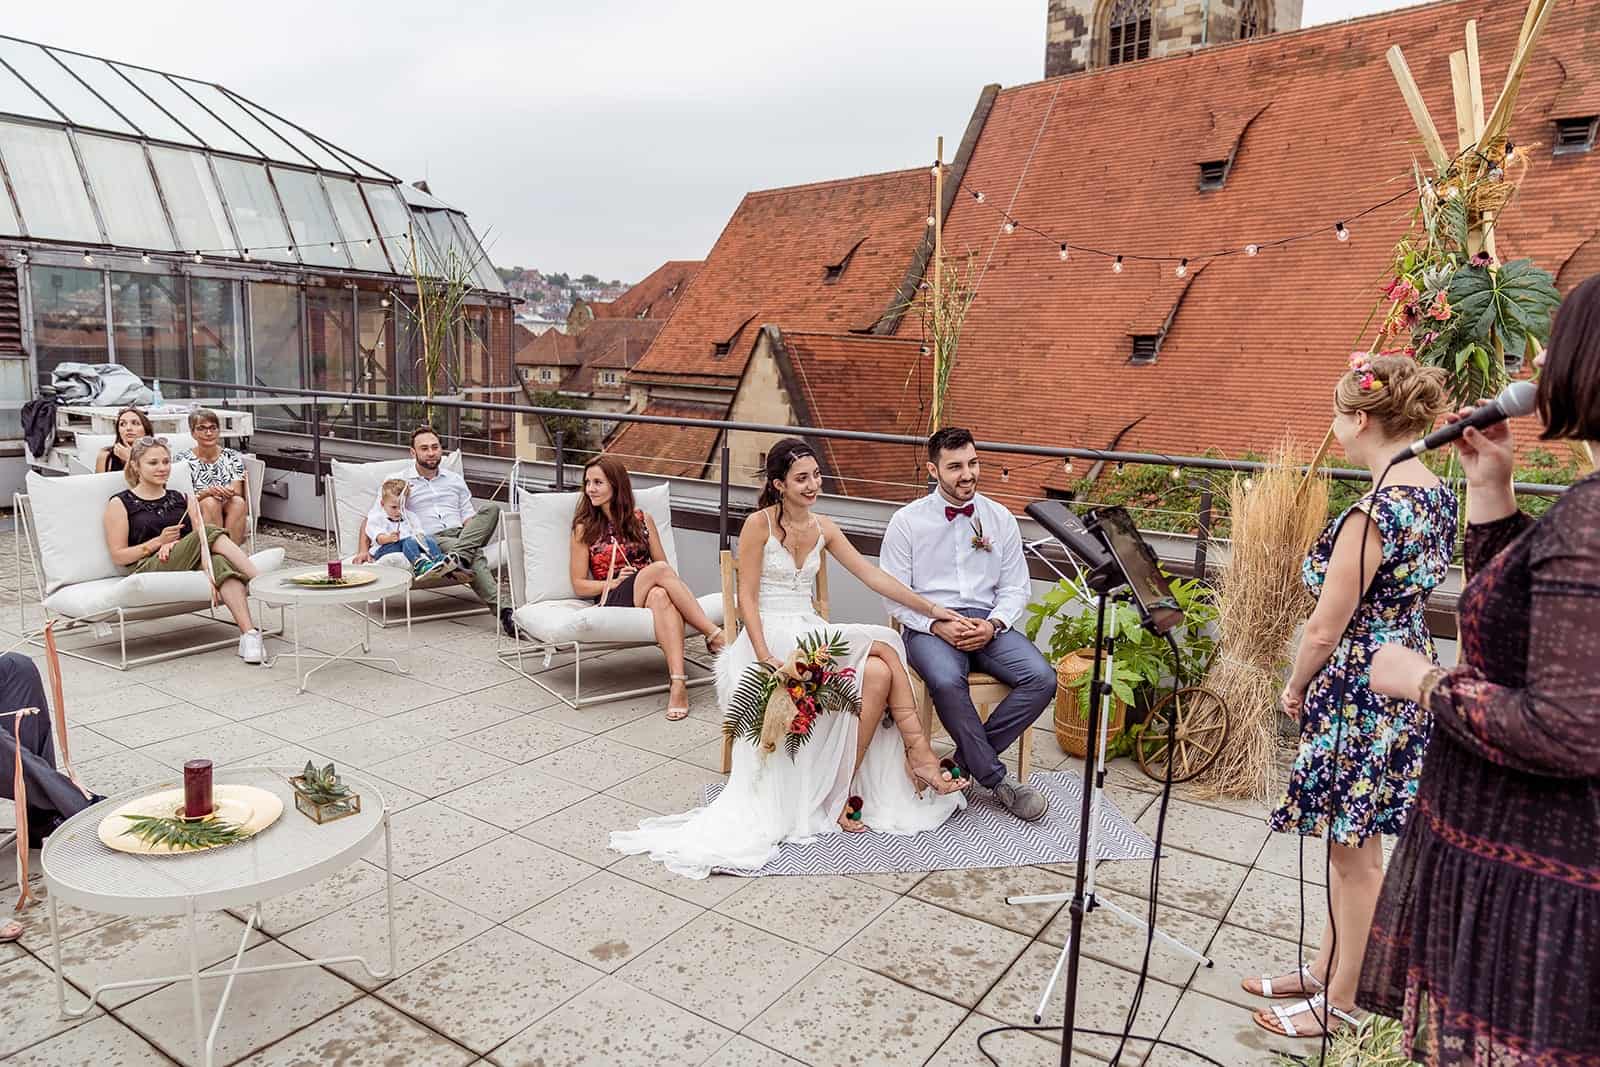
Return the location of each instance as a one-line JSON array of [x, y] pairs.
[[524, 941]]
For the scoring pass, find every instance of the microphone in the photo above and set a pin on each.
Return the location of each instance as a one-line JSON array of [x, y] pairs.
[[1514, 400]]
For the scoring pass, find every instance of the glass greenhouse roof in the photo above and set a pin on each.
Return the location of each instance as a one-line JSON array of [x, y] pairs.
[[98, 152]]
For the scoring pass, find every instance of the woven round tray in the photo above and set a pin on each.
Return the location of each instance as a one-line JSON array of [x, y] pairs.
[[247, 806], [320, 580]]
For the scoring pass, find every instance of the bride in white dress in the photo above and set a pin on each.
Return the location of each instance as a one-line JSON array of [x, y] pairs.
[[888, 763]]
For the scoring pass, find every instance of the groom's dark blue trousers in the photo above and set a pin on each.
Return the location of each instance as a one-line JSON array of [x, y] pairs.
[[1011, 658]]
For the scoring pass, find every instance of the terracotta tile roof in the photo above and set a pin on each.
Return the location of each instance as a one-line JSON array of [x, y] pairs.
[[852, 382], [612, 344], [770, 263], [549, 349], [1257, 343], [656, 295], [659, 448]]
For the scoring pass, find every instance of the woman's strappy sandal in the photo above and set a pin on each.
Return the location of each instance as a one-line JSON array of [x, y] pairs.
[[1327, 1019], [1308, 984], [677, 714], [716, 635]]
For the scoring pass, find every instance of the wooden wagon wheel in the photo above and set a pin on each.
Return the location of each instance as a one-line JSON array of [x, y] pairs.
[[1202, 728]]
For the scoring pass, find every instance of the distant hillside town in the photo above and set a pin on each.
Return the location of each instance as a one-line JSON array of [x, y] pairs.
[[548, 298]]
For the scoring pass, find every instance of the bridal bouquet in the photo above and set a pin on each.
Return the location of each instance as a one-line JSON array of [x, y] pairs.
[[784, 701]]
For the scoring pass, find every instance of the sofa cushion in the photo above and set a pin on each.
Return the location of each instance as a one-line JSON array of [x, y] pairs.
[[69, 522], [182, 590], [547, 539], [566, 621]]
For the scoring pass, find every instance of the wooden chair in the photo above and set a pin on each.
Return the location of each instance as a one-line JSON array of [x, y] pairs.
[[730, 616], [987, 692]]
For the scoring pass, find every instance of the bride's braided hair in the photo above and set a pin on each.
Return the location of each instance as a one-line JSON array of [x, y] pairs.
[[780, 458]]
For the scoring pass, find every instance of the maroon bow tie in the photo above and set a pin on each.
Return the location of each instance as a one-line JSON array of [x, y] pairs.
[[951, 513]]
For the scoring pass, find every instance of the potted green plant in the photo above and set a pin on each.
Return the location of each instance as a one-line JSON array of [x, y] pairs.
[[1143, 662]]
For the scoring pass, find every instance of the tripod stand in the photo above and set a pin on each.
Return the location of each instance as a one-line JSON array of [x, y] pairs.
[[1082, 897]]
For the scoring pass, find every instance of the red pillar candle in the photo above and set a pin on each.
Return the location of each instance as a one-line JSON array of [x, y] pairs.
[[197, 789], [335, 569]]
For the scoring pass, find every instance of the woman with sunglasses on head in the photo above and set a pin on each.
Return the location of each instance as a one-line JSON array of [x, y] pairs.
[[1486, 941], [132, 424], [881, 757], [151, 528], [618, 559]]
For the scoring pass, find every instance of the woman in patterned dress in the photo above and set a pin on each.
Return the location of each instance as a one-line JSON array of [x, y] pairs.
[[1360, 753], [218, 475], [1487, 936], [618, 560]]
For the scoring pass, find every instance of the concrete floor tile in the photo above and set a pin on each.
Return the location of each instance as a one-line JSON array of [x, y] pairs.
[[514, 796], [523, 738], [584, 828], [101, 705], [440, 767], [612, 1022], [1189, 881], [1271, 904], [310, 718], [667, 789], [898, 882], [657, 733], [491, 988], [1015, 1048], [373, 689], [1221, 835], [144, 948], [28, 1007], [843, 1014], [429, 834], [980, 892], [1223, 1032], [597, 763], [345, 886], [934, 950], [232, 742], [604, 920], [367, 1033], [505, 877], [371, 743], [262, 1008], [103, 1042], [742, 1052], [1240, 954], [837, 908], [174, 720], [1111, 939], [604, 717], [706, 892]]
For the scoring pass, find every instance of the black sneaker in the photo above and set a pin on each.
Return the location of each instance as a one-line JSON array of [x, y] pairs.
[[507, 627]]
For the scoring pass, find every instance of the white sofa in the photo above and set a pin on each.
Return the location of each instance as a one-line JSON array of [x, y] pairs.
[[63, 522], [255, 470], [550, 615], [348, 494]]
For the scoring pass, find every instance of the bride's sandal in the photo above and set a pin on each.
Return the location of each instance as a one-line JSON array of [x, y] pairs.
[[923, 768], [850, 821], [677, 714]]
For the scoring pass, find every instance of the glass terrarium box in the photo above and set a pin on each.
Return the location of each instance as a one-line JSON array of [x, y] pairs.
[[320, 796]]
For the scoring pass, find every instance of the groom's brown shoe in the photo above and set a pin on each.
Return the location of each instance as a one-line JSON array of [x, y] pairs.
[[1023, 801]]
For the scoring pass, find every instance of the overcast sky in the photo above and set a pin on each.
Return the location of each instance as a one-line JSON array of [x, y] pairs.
[[597, 135]]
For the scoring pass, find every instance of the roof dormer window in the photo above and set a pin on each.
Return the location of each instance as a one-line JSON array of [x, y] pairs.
[[1213, 175], [1145, 348], [1576, 134]]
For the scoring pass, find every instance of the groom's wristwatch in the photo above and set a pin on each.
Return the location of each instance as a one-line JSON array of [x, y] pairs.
[[999, 625]]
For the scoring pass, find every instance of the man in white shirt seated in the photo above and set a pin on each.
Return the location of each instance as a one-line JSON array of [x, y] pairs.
[[442, 502], [960, 549]]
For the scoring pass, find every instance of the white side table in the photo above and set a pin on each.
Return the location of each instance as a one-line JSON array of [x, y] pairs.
[[276, 588], [292, 853]]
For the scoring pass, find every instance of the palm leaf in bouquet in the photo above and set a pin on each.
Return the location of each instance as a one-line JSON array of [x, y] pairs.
[[747, 709]]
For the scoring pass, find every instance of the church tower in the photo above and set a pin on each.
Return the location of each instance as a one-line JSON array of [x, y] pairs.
[[1090, 34]]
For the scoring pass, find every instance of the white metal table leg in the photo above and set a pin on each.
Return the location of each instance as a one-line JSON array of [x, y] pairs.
[[202, 1048], [55, 955]]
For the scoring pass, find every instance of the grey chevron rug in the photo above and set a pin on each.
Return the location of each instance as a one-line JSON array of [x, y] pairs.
[[984, 834]]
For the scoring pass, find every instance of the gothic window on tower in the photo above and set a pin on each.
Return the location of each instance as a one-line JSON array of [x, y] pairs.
[[1252, 19], [1128, 32]]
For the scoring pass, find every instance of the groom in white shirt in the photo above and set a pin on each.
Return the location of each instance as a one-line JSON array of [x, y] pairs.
[[964, 551]]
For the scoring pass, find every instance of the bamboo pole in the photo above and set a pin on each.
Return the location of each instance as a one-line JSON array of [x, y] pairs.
[[1461, 90], [1532, 26], [938, 278], [1431, 143], [1474, 80]]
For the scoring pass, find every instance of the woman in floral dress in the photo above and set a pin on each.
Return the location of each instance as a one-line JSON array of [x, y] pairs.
[[1360, 753]]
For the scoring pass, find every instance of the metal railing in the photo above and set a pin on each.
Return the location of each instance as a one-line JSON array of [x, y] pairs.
[[1205, 518]]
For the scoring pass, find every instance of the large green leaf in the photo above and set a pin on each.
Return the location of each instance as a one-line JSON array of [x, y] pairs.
[[1512, 303]]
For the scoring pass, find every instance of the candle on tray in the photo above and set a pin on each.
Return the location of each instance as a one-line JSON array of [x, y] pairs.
[[197, 789], [335, 569]]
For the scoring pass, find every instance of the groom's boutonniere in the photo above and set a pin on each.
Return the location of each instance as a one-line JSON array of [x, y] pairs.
[[979, 541]]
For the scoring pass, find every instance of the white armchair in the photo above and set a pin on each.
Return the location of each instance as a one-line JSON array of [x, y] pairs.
[[549, 615], [348, 494], [62, 521]]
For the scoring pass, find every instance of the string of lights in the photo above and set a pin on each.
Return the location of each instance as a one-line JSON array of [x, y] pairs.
[[1009, 224], [247, 254]]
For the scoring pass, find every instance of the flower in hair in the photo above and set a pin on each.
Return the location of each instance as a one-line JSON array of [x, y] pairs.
[[1366, 378]]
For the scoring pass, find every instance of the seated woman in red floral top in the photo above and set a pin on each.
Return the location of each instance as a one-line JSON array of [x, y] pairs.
[[1487, 935], [618, 560]]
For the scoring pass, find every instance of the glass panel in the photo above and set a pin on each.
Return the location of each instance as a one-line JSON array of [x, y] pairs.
[[69, 317], [475, 372], [309, 219], [254, 208], [216, 326], [375, 337], [366, 253], [222, 105], [452, 257], [275, 349], [150, 120], [186, 111], [81, 107], [328, 329], [18, 99], [321, 156], [148, 316], [125, 192], [15, 391], [393, 221], [49, 187], [468, 240], [192, 198], [8, 215]]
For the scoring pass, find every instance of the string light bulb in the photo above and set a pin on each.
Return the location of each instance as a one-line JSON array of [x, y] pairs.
[[1249, 484], [978, 195], [924, 350], [931, 220], [1340, 231], [1252, 249], [1177, 474], [1010, 226], [1005, 474], [368, 242], [1183, 268], [197, 256], [145, 258], [247, 255], [1511, 151], [1066, 464], [1064, 253], [88, 258], [332, 247], [22, 257], [384, 302], [1116, 265]]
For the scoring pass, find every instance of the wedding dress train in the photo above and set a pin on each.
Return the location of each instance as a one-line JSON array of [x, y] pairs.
[[777, 798]]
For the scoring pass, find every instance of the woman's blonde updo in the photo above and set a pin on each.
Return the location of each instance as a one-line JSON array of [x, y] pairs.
[[136, 452], [1401, 395]]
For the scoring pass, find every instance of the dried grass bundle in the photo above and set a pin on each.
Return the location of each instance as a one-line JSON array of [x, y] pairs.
[[1260, 602]]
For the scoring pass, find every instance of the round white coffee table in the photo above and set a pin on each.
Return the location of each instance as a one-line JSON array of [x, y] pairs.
[[292, 853], [275, 588]]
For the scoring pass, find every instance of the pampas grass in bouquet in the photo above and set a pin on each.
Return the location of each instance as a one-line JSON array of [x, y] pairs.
[[1261, 599]]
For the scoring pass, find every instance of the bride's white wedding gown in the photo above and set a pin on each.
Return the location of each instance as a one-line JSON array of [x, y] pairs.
[[774, 799]]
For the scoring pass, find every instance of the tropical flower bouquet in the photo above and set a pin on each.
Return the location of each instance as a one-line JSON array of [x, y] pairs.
[[783, 702]]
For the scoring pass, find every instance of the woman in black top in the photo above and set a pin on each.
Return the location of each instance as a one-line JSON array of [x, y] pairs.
[[148, 528], [131, 425]]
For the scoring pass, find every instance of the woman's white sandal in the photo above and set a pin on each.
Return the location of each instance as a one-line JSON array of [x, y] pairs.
[[1266, 985], [1331, 1019], [677, 714]]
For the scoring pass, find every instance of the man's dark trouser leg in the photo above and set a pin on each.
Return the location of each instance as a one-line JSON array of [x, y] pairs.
[[468, 541], [48, 789], [944, 668], [1017, 662]]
